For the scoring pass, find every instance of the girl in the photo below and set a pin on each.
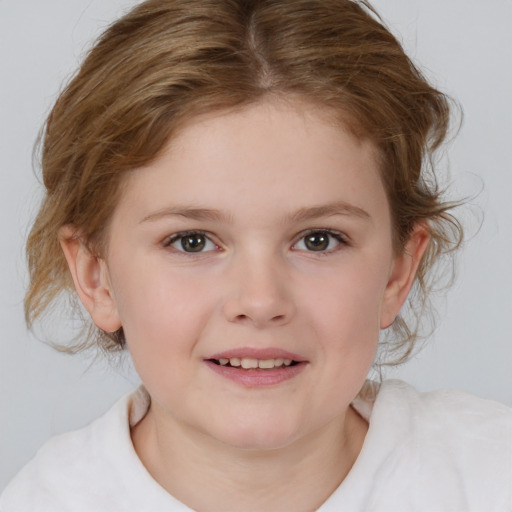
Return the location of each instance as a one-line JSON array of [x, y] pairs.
[[240, 194]]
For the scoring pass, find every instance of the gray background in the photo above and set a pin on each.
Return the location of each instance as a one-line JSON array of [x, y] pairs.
[[464, 46]]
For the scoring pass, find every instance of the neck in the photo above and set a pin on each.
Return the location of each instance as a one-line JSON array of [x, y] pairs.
[[298, 477]]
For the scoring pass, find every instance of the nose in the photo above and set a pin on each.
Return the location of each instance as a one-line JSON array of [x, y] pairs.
[[260, 294]]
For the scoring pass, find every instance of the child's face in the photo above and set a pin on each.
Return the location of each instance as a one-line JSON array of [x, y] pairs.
[[285, 252]]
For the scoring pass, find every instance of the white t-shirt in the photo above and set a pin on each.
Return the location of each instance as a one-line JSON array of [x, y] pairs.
[[442, 451]]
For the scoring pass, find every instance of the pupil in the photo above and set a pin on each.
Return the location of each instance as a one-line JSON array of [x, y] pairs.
[[317, 241], [193, 243]]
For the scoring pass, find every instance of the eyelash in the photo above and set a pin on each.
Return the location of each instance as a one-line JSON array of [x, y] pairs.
[[168, 242], [339, 237]]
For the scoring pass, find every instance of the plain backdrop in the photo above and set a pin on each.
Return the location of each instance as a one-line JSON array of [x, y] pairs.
[[464, 47]]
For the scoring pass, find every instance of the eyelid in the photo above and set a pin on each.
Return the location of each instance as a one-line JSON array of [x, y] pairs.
[[171, 239], [339, 236]]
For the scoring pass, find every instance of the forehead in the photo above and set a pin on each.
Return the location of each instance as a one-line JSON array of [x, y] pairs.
[[284, 155]]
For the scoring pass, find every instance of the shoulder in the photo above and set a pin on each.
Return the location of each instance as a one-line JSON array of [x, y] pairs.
[[454, 423], [446, 412], [445, 447], [71, 470]]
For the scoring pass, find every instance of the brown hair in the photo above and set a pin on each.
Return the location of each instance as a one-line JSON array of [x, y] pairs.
[[167, 61]]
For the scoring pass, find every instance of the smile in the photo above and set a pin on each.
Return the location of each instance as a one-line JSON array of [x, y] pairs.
[[249, 363], [255, 368]]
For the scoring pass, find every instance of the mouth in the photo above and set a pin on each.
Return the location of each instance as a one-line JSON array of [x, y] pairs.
[[257, 367], [249, 363]]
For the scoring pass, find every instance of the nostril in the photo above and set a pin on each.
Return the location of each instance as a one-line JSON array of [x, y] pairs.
[[244, 318], [258, 312]]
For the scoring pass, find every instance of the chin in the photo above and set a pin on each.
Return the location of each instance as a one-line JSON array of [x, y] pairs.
[[258, 435]]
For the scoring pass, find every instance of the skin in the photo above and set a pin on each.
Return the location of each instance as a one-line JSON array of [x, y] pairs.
[[256, 182]]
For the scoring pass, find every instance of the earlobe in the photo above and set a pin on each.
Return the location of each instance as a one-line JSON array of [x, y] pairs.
[[91, 279], [403, 274]]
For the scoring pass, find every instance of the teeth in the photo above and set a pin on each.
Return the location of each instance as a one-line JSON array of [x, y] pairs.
[[250, 363]]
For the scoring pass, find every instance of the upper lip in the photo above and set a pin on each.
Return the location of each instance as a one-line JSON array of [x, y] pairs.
[[257, 353]]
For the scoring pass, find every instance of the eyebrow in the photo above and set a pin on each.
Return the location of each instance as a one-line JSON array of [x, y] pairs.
[[329, 210], [301, 215], [188, 213]]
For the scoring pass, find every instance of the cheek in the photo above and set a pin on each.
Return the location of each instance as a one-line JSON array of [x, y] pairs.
[[162, 315], [350, 299], [161, 329], [346, 317], [154, 296]]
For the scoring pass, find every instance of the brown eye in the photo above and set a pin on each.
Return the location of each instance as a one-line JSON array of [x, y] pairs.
[[191, 242], [317, 241], [320, 241]]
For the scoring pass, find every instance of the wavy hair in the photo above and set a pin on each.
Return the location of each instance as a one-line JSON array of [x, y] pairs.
[[167, 61]]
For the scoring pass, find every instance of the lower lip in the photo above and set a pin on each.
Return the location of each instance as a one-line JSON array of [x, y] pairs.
[[257, 378]]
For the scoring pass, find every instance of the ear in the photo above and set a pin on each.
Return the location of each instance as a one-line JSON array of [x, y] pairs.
[[403, 274], [91, 279]]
